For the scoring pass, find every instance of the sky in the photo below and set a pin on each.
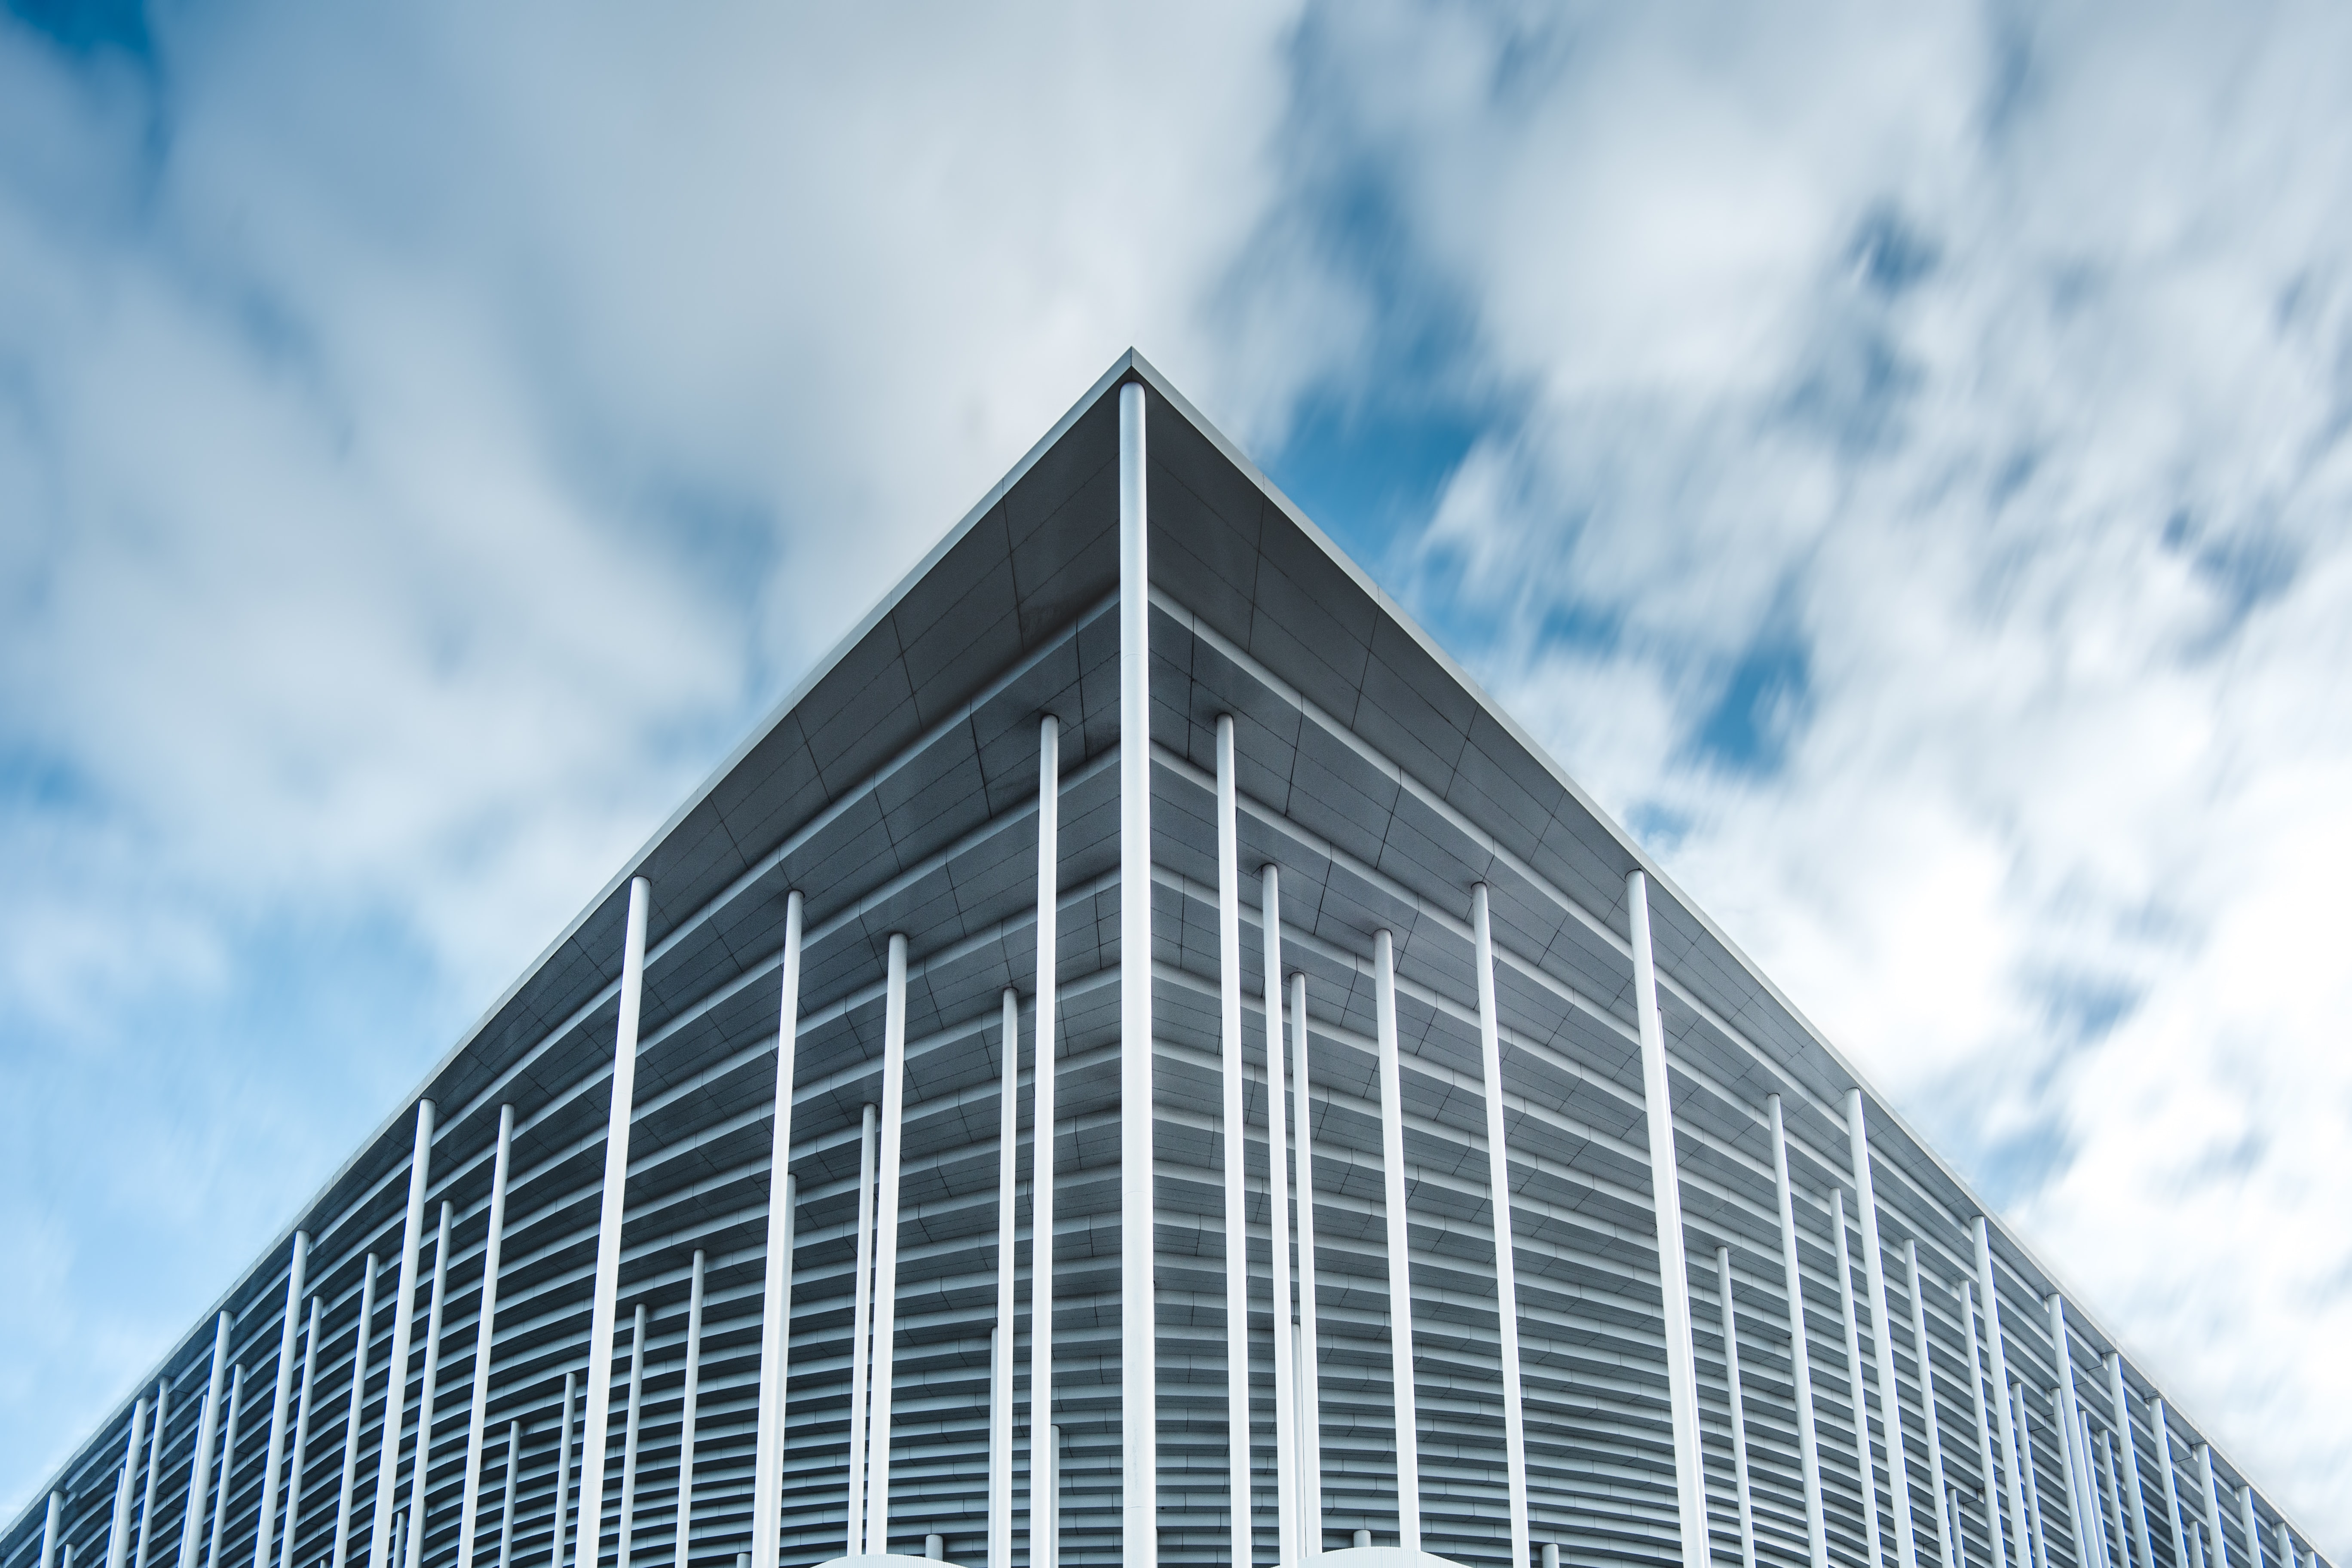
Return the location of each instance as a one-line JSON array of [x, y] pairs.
[[1895, 458]]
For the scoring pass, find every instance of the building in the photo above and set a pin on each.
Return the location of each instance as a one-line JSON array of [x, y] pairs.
[[591, 1183]]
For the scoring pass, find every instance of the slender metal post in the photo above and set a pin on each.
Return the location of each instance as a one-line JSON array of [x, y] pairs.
[[1882, 1335], [49, 1531], [1868, 1472], [1506, 1279], [624, 1542], [290, 1325], [2122, 1538], [404, 1322], [688, 1413], [228, 1462], [886, 1245], [296, 1462], [2161, 1426], [2120, 1403], [154, 1469], [1947, 1549], [564, 1469], [1801, 1369], [1040, 1536], [1290, 1534], [1408, 1445], [861, 1323], [1673, 1267], [507, 1502], [420, 1465], [1988, 1469], [614, 1205], [1138, 1378], [1000, 1347], [362, 1334], [2251, 1524], [2081, 1510], [486, 1317], [2088, 1460], [1997, 1359], [1310, 1373], [200, 1472], [1738, 1414], [118, 1534], [2041, 1535], [776, 1279], [1240, 1503]]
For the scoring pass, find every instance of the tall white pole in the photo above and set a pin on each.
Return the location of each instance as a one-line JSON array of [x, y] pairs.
[[999, 1349], [1996, 1358], [1800, 1365], [1739, 1414], [2250, 1525], [861, 1324], [1947, 1550], [118, 1534], [200, 1473], [1042, 1518], [776, 1281], [688, 1413], [2095, 1530], [1988, 1468], [360, 1335], [1239, 1501], [301, 1443], [507, 1502], [1408, 1445], [600, 1326], [281, 1392], [485, 1318], [154, 1469], [1506, 1275], [2081, 1508], [2032, 1510], [228, 1462], [1138, 1390], [625, 1541], [404, 1322], [2161, 1426], [564, 1469], [49, 1531], [1309, 1362], [1882, 1336], [2120, 1403], [1290, 1536], [886, 1245], [1673, 1267], [420, 1472], [1867, 1472], [2114, 1492]]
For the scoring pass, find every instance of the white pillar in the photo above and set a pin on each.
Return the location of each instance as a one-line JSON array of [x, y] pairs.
[[1408, 1433], [301, 1444], [861, 1325], [421, 1466], [506, 1503], [598, 1419], [486, 1316], [289, 1327], [1738, 1414], [686, 1414], [118, 1534], [49, 1531], [1040, 1534], [154, 1467], [1853, 1375], [886, 1247], [360, 1336], [1988, 1468], [2082, 1509], [2161, 1426], [227, 1464], [2120, 1404], [1309, 1363], [2250, 1525], [625, 1536], [563, 1470], [2114, 1492], [1800, 1354], [2038, 1534], [1506, 1275], [776, 1281], [403, 1321], [1882, 1335], [2086, 1453], [1000, 1348], [200, 1472], [1235, 1130], [1947, 1550], [1997, 1359], [1674, 1267], [1139, 1392], [1290, 1535]]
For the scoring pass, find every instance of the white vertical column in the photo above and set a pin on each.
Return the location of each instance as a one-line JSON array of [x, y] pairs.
[[861, 1323], [49, 1531], [1506, 1276], [1988, 1468], [486, 1317], [118, 1534], [228, 1462], [564, 1469], [200, 1473], [776, 1279], [2087, 1451], [1000, 1350], [1853, 1375], [360, 1336], [687, 1412], [1309, 1362], [886, 1245], [155, 1468], [1997, 1359], [301, 1444], [1947, 1550], [404, 1320], [1238, 1457], [1408, 1431], [289, 1327], [2114, 1492], [601, 1327], [1042, 1517], [420, 1468], [2120, 1404], [2162, 1429], [1809, 1456], [1674, 1267], [1882, 1335], [1138, 1374], [507, 1502], [2033, 1512], [1738, 1413], [1290, 1540], [625, 1541], [2082, 1506], [2252, 1525]]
